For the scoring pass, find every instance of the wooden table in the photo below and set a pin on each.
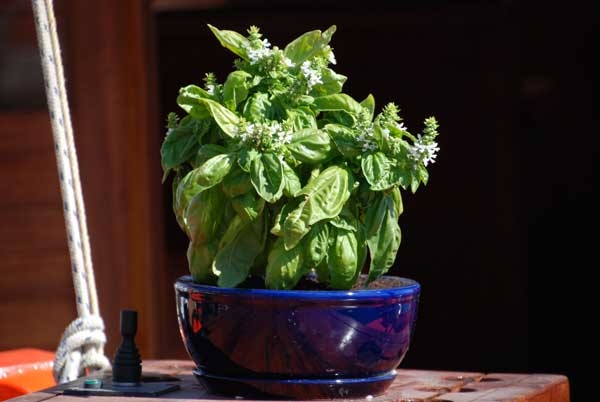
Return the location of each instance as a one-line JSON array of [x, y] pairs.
[[409, 386]]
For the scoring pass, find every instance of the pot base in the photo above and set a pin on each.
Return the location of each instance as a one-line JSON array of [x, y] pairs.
[[296, 388]]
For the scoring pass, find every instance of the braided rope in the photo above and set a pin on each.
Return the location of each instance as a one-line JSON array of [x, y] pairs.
[[69, 362], [89, 353]]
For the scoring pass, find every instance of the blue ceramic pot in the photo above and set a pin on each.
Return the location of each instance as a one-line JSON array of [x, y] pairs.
[[298, 344]]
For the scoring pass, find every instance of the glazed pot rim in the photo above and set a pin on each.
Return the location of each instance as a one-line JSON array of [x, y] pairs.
[[408, 287]]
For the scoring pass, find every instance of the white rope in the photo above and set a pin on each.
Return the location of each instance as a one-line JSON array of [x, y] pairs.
[[69, 362], [89, 353]]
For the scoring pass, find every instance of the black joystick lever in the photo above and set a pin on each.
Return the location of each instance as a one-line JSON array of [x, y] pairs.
[[127, 364], [127, 378]]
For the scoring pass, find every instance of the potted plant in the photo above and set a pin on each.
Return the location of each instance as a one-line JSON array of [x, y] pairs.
[[289, 191]]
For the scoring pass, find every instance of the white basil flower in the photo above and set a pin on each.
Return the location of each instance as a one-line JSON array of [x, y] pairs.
[[424, 150]]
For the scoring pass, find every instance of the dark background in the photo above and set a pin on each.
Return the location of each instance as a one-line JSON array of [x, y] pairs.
[[502, 239]]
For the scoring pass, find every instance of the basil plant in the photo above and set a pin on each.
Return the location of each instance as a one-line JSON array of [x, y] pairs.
[[281, 176]]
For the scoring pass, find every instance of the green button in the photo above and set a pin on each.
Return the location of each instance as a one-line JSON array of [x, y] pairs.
[[93, 383]]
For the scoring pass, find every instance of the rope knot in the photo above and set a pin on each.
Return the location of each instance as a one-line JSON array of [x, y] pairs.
[[80, 348]]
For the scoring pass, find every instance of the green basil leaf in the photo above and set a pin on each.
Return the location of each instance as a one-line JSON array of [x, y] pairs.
[[316, 244], [192, 101], [369, 105], [182, 142], [248, 207], [178, 208], [328, 192], [194, 92], [227, 120], [258, 107], [403, 172], [383, 236], [187, 188], [344, 140], [292, 182], [231, 40], [337, 102], [234, 226], [380, 171], [228, 214], [374, 215], [204, 215], [301, 118], [345, 220], [397, 197], [362, 248], [307, 45], [235, 88], [281, 215], [236, 183], [314, 173], [245, 158], [285, 267], [343, 259], [325, 196], [328, 34], [295, 225], [423, 175], [310, 146], [200, 260], [207, 151], [332, 83], [266, 174], [189, 99], [305, 100], [341, 117], [212, 172], [375, 168], [322, 271], [233, 261]]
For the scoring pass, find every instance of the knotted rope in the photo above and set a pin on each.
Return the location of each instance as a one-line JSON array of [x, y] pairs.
[[82, 345]]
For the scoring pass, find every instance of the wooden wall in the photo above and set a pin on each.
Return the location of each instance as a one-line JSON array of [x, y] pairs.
[[108, 55], [36, 290], [110, 68]]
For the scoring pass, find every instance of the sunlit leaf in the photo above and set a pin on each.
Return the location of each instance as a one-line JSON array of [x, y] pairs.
[[285, 267], [231, 40]]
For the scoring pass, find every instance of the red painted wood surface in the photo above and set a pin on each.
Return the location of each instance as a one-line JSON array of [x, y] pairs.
[[410, 386], [25, 370]]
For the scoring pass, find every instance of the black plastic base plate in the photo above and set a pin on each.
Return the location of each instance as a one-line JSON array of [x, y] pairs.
[[150, 385]]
